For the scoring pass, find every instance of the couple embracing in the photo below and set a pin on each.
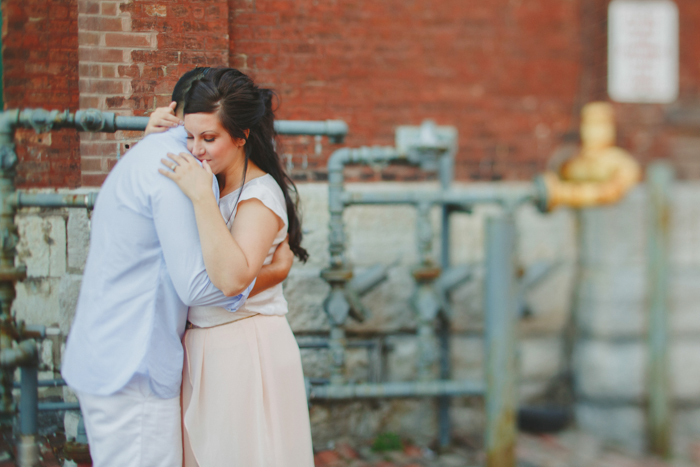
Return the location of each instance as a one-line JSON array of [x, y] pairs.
[[178, 355]]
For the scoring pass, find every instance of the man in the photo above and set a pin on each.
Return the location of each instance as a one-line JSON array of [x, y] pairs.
[[144, 269]]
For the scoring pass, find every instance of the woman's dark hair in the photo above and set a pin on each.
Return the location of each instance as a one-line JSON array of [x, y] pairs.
[[241, 105], [185, 83]]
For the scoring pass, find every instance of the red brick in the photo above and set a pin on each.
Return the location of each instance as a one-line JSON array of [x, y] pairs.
[[91, 164], [91, 179], [94, 54], [109, 8], [98, 23], [127, 40]]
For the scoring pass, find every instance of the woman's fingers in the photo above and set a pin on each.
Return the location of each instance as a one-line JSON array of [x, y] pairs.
[[207, 167]]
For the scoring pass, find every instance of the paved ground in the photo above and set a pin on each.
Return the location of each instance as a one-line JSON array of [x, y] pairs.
[[569, 449]]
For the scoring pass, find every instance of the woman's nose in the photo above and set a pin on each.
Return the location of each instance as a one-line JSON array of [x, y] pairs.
[[198, 149]]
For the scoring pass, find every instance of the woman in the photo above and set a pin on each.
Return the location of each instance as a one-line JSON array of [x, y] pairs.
[[243, 395]]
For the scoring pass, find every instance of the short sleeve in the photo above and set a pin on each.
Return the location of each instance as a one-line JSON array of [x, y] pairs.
[[270, 194]]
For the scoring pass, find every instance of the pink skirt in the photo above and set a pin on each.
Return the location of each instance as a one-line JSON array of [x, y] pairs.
[[243, 396]]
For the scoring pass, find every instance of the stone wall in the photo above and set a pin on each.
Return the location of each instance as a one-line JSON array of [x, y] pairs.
[[609, 355]]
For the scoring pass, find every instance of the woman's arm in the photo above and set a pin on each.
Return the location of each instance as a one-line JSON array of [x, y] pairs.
[[232, 258], [274, 273]]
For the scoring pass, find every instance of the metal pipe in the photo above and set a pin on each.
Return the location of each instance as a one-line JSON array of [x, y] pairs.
[[56, 406], [334, 129], [398, 389], [96, 120], [23, 199], [506, 196], [27, 447], [500, 308], [47, 383], [659, 410]]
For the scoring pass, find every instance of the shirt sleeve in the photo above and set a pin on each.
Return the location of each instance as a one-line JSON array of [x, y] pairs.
[[176, 229]]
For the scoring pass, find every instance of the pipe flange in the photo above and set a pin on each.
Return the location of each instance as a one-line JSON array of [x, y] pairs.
[[8, 156], [17, 273], [336, 275], [426, 273], [77, 452]]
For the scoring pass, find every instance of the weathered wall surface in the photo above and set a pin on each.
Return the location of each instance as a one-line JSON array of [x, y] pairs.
[[511, 75], [54, 247], [40, 69], [610, 357]]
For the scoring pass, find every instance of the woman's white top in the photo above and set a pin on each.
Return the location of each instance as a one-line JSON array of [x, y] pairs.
[[267, 302]]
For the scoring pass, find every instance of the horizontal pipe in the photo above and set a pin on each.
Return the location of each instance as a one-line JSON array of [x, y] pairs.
[[42, 120], [398, 389], [130, 123], [23, 199], [324, 344], [47, 383], [506, 196], [334, 129], [56, 406]]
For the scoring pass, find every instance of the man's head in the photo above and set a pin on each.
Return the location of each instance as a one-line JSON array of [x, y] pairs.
[[183, 85]]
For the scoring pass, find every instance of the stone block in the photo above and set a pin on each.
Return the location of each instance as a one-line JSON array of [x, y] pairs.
[[55, 229], [305, 291], [623, 425], [683, 301], [612, 302], [33, 248], [48, 301], [540, 358], [615, 235], [611, 370], [78, 238], [684, 369]]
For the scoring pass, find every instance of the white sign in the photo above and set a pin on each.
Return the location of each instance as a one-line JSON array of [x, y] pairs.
[[643, 51]]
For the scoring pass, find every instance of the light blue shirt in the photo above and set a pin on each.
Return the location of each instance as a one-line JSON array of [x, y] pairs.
[[144, 269]]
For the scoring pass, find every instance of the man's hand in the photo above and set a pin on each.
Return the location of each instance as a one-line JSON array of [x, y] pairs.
[[163, 118], [277, 271]]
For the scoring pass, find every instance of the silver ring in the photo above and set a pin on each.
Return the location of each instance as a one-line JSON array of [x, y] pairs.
[[173, 167]]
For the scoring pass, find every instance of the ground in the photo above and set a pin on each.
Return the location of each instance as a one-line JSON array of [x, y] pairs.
[[568, 449]]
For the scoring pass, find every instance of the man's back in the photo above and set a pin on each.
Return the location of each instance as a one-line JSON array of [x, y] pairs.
[[143, 270]]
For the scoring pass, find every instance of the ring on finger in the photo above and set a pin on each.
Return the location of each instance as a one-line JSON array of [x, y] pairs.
[[174, 166]]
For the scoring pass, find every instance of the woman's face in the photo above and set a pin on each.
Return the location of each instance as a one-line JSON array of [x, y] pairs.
[[209, 141]]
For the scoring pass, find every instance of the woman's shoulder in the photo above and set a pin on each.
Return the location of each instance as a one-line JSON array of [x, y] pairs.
[[266, 190]]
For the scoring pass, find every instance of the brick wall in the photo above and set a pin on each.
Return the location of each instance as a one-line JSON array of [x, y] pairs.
[[40, 54], [131, 54], [510, 75], [505, 73]]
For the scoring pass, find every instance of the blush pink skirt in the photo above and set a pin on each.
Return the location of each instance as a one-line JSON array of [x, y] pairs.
[[243, 396]]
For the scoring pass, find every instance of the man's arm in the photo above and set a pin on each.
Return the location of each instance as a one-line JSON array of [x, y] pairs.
[[275, 272], [176, 228]]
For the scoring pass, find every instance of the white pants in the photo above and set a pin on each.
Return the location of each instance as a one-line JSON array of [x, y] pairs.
[[133, 427]]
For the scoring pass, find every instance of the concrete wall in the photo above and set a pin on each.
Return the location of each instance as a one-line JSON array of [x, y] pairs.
[[609, 356]]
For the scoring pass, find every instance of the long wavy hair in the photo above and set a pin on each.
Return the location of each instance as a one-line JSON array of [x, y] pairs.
[[241, 105]]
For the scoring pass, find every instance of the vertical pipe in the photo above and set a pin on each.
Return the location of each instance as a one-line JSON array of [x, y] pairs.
[[8, 241], [660, 177], [446, 176], [500, 307], [27, 448]]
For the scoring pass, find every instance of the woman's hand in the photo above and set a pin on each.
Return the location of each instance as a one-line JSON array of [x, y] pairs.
[[163, 118], [194, 180]]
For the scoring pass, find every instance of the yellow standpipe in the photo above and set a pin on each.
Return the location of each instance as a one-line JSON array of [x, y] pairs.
[[601, 173]]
